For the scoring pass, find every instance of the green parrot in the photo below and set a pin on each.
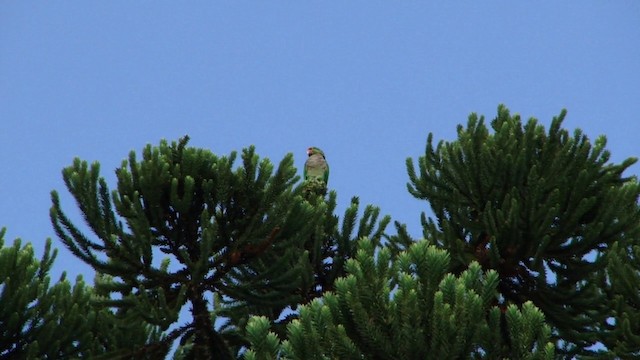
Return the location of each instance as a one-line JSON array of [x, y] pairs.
[[316, 167]]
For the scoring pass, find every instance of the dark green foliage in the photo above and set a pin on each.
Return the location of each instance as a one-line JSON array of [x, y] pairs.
[[337, 243], [530, 226], [624, 276], [540, 208], [39, 321], [408, 308], [232, 232], [329, 247], [31, 310], [244, 235]]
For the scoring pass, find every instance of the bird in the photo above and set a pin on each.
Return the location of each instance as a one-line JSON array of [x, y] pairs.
[[315, 174], [316, 167]]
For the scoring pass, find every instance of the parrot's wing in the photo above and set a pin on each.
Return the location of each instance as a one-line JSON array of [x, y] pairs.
[[326, 174]]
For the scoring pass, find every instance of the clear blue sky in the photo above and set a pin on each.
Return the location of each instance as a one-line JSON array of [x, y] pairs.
[[366, 81]]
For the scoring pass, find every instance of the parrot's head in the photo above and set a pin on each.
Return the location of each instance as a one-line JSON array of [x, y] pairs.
[[314, 150]]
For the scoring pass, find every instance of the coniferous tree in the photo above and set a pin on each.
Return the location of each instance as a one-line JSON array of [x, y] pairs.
[[39, 321], [543, 209], [408, 307], [530, 226], [235, 242], [623, 337]]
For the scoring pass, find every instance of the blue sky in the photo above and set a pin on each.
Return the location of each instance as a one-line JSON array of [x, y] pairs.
[[365, 81]]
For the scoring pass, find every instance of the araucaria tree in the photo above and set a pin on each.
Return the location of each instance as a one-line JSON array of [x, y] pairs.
[[531, 251], [407, 307], [186, 227], [59, 321], [552, 224], [549, 213], [38, 320]]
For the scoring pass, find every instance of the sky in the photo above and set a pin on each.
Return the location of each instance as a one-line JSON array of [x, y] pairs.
[[364, 81]]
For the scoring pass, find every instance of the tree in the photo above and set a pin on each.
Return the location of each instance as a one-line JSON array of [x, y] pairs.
[[39, 321], [623, 337], [543, 214], [533, 252], [548, 212], [242, 241], [408, 308]]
